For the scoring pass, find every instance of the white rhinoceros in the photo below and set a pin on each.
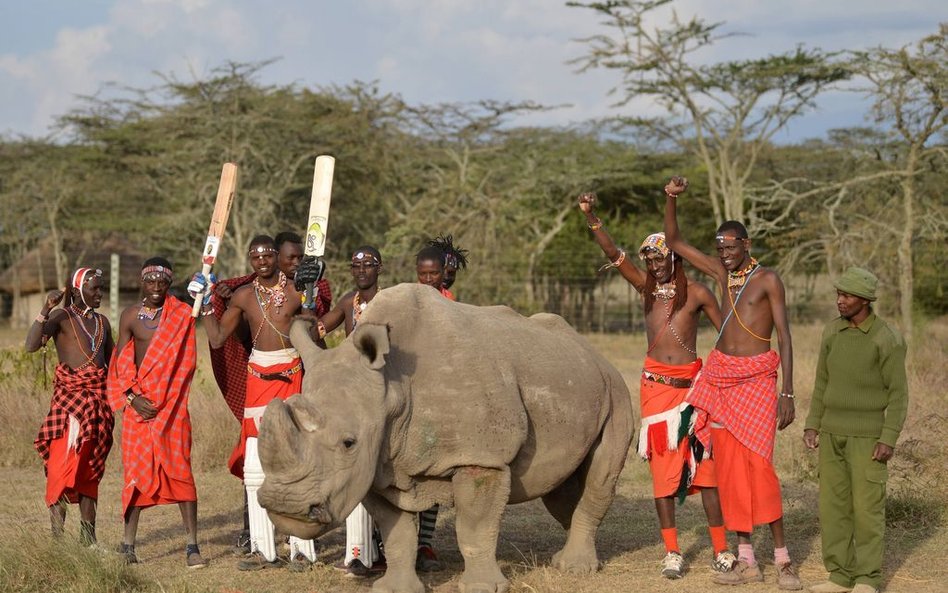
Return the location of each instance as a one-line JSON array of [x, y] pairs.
[[431, 401]]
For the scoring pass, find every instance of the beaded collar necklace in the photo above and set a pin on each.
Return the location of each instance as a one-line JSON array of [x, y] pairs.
[[738, 278], [666, 291], [149, 313], [274, 296]]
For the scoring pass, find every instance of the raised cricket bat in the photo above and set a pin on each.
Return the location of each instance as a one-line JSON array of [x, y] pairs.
[[317, 225], [215, 233]]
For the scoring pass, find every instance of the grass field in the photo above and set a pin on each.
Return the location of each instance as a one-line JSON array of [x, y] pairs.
[[629, 542]]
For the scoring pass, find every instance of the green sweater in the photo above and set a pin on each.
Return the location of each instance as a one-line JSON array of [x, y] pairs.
[[861, 388]]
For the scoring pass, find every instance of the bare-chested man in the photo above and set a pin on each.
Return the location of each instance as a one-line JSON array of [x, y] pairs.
[[362, 553], [673, 305], [76, 436], [150, 380], [268, 306], [738, 390]]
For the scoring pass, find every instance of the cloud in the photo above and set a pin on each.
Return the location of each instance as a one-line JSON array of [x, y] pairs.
[[50, 79], [426, 50]]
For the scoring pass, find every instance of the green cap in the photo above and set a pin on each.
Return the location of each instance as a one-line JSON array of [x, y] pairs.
[[858, 282]]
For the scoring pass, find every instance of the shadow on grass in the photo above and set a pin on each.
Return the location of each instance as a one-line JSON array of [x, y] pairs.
[[912, 516]]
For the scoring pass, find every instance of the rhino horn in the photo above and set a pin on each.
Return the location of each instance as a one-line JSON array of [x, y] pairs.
[[371, 340], [299, 336], [278, 430]]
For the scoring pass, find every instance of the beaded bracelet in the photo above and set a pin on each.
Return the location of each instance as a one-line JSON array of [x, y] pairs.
[[788, 395], [616, 263], [40, 318], [130, 398], [595, 226]]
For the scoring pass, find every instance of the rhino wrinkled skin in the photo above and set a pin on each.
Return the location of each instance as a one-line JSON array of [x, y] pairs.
[[431, 401]]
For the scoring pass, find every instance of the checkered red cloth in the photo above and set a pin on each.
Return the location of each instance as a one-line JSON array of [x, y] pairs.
[[164, 377], [230, 360], [80, 393], [740, 393]]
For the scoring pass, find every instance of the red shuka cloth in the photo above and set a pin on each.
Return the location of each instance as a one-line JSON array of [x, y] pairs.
[[80, 393], [740, 393], [230, 360], [259, 393], [162, 444]]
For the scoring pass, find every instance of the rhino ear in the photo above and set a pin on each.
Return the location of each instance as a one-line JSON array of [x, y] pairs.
[[371, 340]]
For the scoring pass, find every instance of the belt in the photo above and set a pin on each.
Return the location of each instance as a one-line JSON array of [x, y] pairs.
[[281, 376], [666, 380]]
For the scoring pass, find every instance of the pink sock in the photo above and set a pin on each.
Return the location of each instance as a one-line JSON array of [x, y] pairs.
[[781, 555], [745, 552]]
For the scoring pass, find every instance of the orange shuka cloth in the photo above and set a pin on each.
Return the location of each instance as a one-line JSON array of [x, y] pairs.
[[668, 456], [156, 454], [749, 488], [259, 393]]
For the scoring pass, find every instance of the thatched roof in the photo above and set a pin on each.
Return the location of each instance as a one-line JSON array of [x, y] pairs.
[[93, 255]]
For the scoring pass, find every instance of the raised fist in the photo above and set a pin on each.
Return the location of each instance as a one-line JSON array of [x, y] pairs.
[[310, 271], [586, 201], [675, 186], [54, 297]]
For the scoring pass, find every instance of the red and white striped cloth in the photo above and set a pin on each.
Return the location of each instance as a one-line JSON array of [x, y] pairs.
[[739, 393]]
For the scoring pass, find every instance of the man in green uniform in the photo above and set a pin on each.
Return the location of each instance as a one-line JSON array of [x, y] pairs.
[[857, 411]]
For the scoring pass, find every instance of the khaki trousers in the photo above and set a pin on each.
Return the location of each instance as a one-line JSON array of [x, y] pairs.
[[852, 509]]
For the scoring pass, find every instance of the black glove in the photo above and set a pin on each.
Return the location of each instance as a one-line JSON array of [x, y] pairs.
[[310, 271]]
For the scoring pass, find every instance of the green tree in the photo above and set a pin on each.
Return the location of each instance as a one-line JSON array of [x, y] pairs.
[[724, 113]]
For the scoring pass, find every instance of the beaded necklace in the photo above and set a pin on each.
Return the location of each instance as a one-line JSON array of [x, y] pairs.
[[738, 278], [666, 292], [275, 295], [357, 308], [96, 338], [150, 314]]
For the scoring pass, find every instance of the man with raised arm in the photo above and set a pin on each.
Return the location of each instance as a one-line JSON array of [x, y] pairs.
[[737, 390], [673, 305], [76, 436], [267, 305]]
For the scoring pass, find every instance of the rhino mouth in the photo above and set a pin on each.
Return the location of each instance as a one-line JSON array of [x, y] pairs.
[[313, 524]]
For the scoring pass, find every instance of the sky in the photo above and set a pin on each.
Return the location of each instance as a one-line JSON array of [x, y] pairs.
[[428, 51]]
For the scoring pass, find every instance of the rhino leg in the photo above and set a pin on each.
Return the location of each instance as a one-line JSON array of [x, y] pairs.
[[480, 497], [400, 536], [597, 476]]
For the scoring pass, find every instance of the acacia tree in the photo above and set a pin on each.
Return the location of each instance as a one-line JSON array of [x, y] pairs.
[[723, 113], [909, 87]]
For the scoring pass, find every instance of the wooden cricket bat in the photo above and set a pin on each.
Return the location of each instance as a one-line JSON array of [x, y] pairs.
[[317, 225], [215, 233]]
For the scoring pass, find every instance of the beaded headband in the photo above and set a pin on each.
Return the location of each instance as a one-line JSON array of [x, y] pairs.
[[81, 275], [261, 249], [161, 271], [361, 255]]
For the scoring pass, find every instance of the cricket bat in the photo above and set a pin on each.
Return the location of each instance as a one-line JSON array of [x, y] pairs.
[[215, 233], [317, 225]]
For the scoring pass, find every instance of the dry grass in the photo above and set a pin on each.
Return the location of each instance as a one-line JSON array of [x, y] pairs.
[[629, 542]]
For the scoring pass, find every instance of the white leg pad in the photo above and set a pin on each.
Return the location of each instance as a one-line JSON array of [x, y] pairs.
[[302, 547], [359, 537], [261, 529]]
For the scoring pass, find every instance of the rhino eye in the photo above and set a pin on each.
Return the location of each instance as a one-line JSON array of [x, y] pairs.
[[349, 443]]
